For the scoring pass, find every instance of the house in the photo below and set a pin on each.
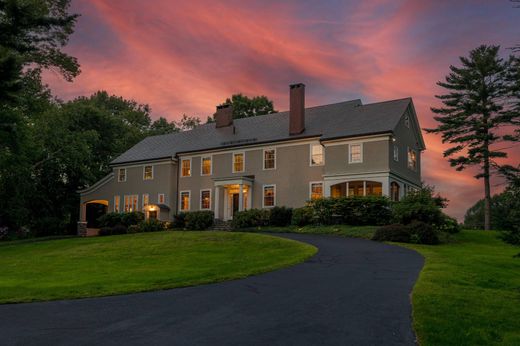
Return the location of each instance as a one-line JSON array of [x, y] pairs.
[[281, 159]]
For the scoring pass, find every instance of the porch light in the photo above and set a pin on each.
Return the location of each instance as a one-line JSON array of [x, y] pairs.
[[152, 208]]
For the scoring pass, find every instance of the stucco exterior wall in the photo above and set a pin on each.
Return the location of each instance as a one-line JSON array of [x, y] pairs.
[[375, 158]]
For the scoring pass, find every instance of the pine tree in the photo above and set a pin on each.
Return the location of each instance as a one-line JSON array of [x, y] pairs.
[[479, 102]]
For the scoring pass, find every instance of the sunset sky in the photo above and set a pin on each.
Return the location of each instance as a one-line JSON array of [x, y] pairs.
[[188, 56]]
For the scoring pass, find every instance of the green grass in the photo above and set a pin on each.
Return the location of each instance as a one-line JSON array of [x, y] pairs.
[[341, 230], [100, 266]]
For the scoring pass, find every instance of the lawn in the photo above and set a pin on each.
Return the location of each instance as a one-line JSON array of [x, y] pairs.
[[100, 266]]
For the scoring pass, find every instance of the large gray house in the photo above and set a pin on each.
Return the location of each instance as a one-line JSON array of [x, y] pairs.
[[281, 159]]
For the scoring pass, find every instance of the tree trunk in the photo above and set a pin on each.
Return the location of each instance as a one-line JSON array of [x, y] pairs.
[[487, 202]]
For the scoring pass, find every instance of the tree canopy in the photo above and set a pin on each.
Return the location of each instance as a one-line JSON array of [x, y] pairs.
[[244, 107]]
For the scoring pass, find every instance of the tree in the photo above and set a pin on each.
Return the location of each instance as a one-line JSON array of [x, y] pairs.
[[187, 123], [477, 105], [244, 107], [162, 126]]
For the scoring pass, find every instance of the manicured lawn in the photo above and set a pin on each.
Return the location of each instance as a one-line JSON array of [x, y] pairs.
[[341, 230], [100, 266]]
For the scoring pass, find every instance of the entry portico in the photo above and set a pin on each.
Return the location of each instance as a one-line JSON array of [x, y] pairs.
[[236, 192]]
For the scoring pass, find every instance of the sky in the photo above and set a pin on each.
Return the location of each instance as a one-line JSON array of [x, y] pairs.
[[188, 56]]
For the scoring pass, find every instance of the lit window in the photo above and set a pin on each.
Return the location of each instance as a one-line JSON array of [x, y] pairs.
[[206, 166], [117, 201], [131, 203], [355, 153], [205, 199], [316, 155], [269, 159], [412, 159], [269, 195], [316, 190], [148, 173], [185, 200], [396, 153], [161, 198], [121, 177], [394, 191], [186, 167], [146, 200], [238, 162]]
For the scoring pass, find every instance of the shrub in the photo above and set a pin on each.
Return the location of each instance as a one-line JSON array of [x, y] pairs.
[[323, 210], [448, 225], [199, 220], [110, 219], [422, 233], [132, 218], [179, 221], [395, 232], [420, 205], [119, 229], [280, 216], [48, 225], [105, 231], [251, 218], [302, 216], [133, 229], [151, 225]]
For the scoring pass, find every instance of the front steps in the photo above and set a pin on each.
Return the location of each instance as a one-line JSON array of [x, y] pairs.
[[221, 225]]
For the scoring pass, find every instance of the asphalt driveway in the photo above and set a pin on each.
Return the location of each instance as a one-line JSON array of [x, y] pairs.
[[353, 292]]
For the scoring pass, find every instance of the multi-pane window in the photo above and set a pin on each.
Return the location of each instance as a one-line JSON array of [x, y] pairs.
[[185, 200], [205, 199], [205, 165], [412, 159], [161, 199], [238, 162], [316, 155], [355, 153], [269, 195], [146, 199], [131, 203], [186, 167], [316, 190], [269, 159], [121, 175], [396, 153], [148, 172], [117, 201]]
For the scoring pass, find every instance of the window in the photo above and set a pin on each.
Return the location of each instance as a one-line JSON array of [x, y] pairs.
[[316, 155], [146, 200], [186, 167], [407, 121], [205, 165], [316, 190], [161, 199], [269, 158], [131, 202], [148, 173], [394, 191], [355, 154], [238, 162], [185, 200], [396, 152], [117, 201], [205, 199], [121, 175], [412, 159], [269, 196]]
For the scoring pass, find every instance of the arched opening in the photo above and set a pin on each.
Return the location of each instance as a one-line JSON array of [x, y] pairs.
[[394, 191], [93, 211], [374, 188], [357, 188]]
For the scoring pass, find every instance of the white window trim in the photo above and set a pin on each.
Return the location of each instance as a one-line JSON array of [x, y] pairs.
[[263, 195], [210, 199], [210, 166], [396, 153], [349, 152], [159, 198], [243, 161], [263, 159], [191, 167], [136, 202], [322, 188], [189, 200], [310, 155], [119, 175], [408, 159], [144, 170], [142, 201], [118, 198]]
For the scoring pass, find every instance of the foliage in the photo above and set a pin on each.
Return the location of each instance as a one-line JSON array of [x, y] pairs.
[[416, 232], [244, 107], [448, 225], [132, 229], [187, 123], [199, 220], [421, 205], [162, 126], [280, 216], [179, 220], [132, 218], [126, 219], [251, 218], [477, 105], [151, 225], [302, 216], [394, 232]]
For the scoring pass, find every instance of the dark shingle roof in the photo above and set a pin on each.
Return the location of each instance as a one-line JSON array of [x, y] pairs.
[[345, 119]]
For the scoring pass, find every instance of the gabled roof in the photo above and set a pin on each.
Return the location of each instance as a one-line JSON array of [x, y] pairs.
[[338, 120]]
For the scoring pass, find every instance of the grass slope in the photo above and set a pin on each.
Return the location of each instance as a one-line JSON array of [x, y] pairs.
[[88, 267], [365, 232]]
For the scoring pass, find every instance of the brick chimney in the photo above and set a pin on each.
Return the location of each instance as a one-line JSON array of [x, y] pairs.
[[224, 115], [297, 109]]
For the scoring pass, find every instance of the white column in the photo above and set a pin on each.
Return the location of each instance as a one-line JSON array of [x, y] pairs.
[[364, 187], [346, 186], [215, 202], [241, 197], [250, 197], [385, 186], [326, 188]]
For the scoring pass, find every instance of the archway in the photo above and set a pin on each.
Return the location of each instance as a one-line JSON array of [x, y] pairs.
[[357, 188], [93, 211]]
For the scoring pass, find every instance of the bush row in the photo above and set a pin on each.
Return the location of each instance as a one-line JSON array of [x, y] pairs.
[[193, 220], [150, 225], [416, 232]]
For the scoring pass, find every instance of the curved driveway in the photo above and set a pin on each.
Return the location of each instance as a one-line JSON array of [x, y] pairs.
[[353, 292]]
